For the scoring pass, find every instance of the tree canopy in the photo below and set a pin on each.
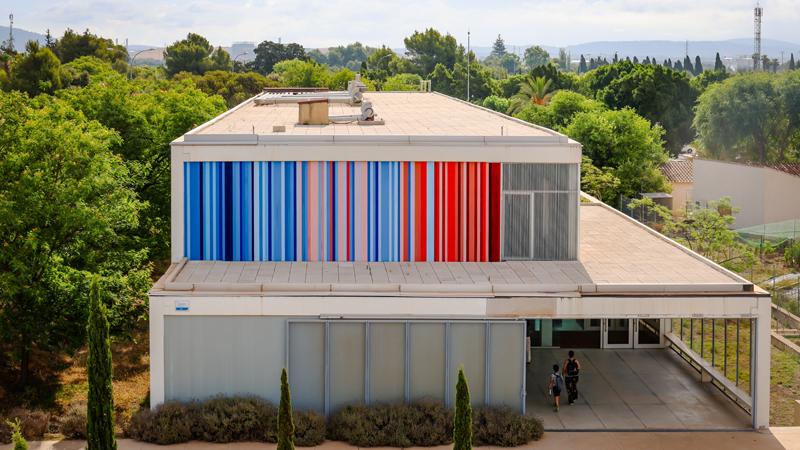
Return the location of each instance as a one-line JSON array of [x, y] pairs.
[[269, 53], [499, 47], [755, 116], [429, 48], [195, 55], [536, 56]]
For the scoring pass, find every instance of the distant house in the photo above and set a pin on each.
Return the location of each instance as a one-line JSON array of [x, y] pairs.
[[679, 174], [764, 192]]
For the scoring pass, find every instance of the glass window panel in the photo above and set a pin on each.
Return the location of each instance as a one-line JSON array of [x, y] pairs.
[[307, 364], [387, 361], [427, 360], [468, 347], [347, 363], [506, 359]]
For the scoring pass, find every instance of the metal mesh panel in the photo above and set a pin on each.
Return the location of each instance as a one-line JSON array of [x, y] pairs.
[[555, 224], [550, 230], [506, 356], [347, 359], [427, 360], [468, 347], [517, 226], [541, 177], [307, 364], [387, 362]]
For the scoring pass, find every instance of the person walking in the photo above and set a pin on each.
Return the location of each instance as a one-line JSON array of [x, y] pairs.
[[571, 370], [556, 384]]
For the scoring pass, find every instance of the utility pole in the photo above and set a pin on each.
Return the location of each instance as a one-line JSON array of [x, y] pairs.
[[11, 32], [468, 64], [687, 47], [758, 12]]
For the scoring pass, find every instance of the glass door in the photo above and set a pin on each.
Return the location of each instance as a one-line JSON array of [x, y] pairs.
[[617, 333], [648, 333]]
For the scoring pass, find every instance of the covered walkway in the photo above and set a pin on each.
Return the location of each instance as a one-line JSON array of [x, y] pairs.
[[631, 389]]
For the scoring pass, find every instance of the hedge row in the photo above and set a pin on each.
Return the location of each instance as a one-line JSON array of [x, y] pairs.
[[424, 423]]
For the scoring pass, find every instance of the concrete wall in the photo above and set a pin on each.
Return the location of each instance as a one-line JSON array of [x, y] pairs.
[[681, 193], [781, 196], [743, 184]]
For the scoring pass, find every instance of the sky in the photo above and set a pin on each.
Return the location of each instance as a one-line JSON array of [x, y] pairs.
[[317, 23]]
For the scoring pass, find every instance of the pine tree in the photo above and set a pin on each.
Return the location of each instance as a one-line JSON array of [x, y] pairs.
[[698, 65], [582, 66], [499, 47], [791, 62], [285, 421], [718, 63], [462, 431], [687, 64], [100, 405]]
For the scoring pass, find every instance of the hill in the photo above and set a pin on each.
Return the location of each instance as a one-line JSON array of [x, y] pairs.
[[21, 37]]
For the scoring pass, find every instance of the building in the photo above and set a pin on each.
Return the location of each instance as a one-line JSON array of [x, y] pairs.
[[414, 233], [680, 175], [243, 51], [764, 192]]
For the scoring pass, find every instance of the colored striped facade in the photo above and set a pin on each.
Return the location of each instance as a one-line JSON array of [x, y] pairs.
[[342, 211]]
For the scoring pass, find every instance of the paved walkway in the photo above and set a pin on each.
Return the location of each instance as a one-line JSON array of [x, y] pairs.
[[778, 439], [627, 389]]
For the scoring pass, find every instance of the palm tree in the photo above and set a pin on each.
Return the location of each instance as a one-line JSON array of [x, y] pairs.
[[532, 90], [775, 64]]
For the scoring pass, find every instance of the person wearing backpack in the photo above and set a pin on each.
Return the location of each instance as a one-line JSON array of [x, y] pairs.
[[571, 370], [556, 384]]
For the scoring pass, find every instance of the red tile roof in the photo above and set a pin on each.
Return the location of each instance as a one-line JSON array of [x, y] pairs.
[[678, 171]]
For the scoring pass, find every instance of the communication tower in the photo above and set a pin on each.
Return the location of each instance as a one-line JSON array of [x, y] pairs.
[[757, 50]]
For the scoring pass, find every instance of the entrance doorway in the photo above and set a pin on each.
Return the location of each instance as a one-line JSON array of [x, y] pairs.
[[633, 333], [596, 333]]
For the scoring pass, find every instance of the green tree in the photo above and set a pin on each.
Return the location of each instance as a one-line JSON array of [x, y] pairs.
[[269, 53], [595, 181], [38, 71], [560, 79], [499, 47], [462, 429], [296, 73], [678, 67], [72, 46], [496, 103], [753, 116], [533, 90], [791, 61], [687, 64], [430, 48], [285, 421], [563, 107], [16, 435], [100, 405], [340, 56], [582, 67], [718, 63], [402, 82], [234, 88], [454, 83], [536, 56], [66, 201], [698, 66], [656, 93], [148, 115], [702, 81], [195, 55], [382, 56], [627, 144]]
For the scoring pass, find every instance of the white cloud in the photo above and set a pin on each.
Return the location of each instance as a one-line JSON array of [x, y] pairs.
[[333, 22]]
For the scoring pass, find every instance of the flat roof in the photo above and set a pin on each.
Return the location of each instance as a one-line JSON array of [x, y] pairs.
[[617, 255], [405, 114]]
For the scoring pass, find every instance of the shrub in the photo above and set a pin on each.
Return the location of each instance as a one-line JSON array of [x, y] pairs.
[[33, 424], [73, 423], [309, 427], [237, 419], [16, 436], [504, 427], [424, 423], [496, 103], [5, 431], [171, 423]]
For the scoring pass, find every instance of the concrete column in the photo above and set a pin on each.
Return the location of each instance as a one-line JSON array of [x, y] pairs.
[[157, 389], [760, 380], [547, 333], [177, 160]]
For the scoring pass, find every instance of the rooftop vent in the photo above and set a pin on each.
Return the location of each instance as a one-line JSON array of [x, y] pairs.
[[313, 111]]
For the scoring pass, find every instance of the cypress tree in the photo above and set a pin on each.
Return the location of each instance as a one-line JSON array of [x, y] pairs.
[[667, 64], [592, 64], [16, 436], [791, 62], [718, 63], [647, 60], [100, 405], [462, 431], [582, 66], [285, 421], [687, 64], [678, 67], [635, 60], [698, 65]]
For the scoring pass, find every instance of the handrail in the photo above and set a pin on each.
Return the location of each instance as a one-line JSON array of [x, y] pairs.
[[717, 379]]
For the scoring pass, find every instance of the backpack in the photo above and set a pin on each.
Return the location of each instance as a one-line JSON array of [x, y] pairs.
[[572, 368], [559, 382]]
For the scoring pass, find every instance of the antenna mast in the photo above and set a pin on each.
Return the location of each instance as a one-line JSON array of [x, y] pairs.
[[467, 65], [757, 41]]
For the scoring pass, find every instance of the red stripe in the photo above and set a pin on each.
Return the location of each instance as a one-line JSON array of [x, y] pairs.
[[494, 210], [453, 189], [436, 213]]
